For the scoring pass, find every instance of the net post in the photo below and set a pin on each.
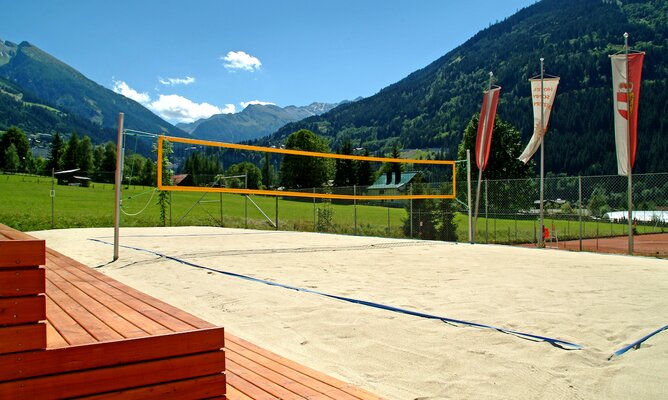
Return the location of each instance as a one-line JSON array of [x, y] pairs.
[[468, 188], [119, 172]]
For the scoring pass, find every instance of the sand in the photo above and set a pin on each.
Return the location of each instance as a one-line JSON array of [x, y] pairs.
[[601, 302]]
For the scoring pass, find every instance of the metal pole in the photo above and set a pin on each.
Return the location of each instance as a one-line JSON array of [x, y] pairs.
[[355, 209], [580, 207], [483, 151], [486, 215], [170, 208], [315, 221], [221, 209], [468, 188], [53, 198], [276, 212], [388, 220], [541, 239], [119, 172], [628, 141], [410, 191]]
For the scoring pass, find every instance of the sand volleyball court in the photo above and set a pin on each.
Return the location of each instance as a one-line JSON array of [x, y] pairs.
[[231, 278]]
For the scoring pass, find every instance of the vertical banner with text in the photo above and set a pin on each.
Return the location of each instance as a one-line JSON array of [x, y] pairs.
[[549, 93], [483, 141], [626, 98]]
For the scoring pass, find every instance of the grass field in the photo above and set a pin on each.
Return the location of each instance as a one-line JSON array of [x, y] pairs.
[[27, 205]]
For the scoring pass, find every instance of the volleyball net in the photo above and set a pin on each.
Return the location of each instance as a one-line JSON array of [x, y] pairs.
[[192, 165]]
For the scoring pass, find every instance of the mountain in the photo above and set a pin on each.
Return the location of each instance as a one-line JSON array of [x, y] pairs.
[[431, 107], [254, 121], [61, 87], [33, 115]]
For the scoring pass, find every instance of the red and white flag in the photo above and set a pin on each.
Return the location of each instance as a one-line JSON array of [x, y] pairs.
[[549, 93], [483, 141], [626, 99]]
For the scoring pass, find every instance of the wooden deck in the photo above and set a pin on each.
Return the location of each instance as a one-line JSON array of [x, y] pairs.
[[98, 338]]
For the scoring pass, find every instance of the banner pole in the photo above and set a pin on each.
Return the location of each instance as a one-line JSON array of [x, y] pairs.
[[119, 176], [628, 146], [541, 239], [483, 152]]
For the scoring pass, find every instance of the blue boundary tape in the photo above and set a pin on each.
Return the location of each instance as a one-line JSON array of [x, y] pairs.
[[554, 342], [637, 343]]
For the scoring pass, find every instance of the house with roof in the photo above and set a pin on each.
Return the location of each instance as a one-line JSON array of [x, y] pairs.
[[393, 183], [72, 177]]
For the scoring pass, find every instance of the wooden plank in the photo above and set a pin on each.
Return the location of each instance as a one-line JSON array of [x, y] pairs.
[[75, 358], [84, 284], [233, 393], [169, 317], [67, 328], [263, 382], [114, 378], [13, 234], [53, 337], [22, 253], [247, 388], [22, 338], [183, 316], [22, 310], [297, 371], [22, 281], [108, 317], [83, 317], [235, 361], [197, 388]]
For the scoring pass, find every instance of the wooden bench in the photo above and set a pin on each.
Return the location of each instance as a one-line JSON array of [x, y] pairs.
[[102, 339]]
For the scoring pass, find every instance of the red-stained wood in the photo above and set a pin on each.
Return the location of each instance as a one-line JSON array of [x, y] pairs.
[[245, 387], [76, 358], [263, 382], [54, 339], [298, 371], [22, 310], [233, 393], [109, 379], [68, 329], [21, 281], [22, 338], [197, 388], [22, 253]]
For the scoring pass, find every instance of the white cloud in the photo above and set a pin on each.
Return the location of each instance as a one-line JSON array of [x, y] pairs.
[[241, 60], [175, 108], [177, 81], [121, 87], [245, 104]]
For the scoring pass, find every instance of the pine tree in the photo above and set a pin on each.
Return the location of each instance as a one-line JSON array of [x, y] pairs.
[[55, 154]]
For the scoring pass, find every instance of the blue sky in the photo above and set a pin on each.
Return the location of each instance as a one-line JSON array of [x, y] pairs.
[[188, 60]]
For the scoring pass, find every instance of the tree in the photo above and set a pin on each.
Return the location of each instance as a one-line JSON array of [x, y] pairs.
[[503, 165], [253, 176], [299, 172], [21, 144], [148, 173], [268, 171], [98, 157], [71, 154], [55, 153], [11, 157], [85, 155], [364, 175], [344, 173], [108, 164]]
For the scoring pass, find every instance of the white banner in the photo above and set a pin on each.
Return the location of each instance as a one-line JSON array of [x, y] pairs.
[[626, 92], [549, 93]]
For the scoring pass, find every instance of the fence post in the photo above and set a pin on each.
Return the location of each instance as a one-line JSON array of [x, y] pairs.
[[170, 208], [388, 221], [276, 212], [315, 221], [486, 215], [355, 209], [410, 191], [53, 198], [580, 206]]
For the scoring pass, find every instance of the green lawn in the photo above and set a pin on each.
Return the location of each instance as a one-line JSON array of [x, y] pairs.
[[26, 204]]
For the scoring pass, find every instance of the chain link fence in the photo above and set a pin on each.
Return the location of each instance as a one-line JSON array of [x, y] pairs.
[[576, 208]]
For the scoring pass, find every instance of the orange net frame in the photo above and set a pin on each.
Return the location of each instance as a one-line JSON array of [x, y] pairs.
[[289, 193]]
